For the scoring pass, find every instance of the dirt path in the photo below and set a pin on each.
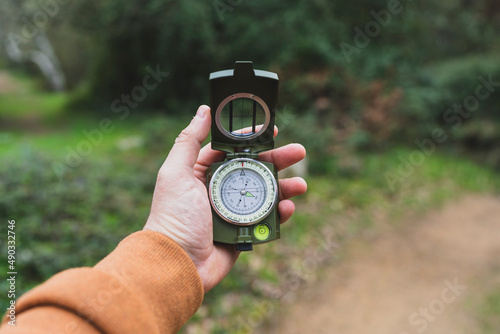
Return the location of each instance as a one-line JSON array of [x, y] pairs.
[[7, 85], [419, 278]]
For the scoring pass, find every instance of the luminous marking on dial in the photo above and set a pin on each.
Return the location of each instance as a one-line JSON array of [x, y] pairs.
[[243, 191]]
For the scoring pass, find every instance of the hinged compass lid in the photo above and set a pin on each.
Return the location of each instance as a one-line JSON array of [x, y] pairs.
[[243, 104]]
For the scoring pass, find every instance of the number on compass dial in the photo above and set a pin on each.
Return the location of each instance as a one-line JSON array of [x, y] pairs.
[[243, 191]]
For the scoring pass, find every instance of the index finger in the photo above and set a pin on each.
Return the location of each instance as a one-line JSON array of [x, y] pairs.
[[285, 156], [208, 156]]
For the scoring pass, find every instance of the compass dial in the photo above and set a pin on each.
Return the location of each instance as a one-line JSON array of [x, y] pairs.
[[243, 191]]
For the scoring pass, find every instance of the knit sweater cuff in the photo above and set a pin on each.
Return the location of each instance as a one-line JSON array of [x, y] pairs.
[[148, 284], [159, 273]]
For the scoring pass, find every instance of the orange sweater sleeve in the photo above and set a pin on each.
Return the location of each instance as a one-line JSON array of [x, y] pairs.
[[148, 284]]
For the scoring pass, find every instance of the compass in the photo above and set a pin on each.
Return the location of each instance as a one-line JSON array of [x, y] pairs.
[[243, 191]]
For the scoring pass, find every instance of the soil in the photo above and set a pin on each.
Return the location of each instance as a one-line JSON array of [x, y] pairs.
[[426, 275], [7, 85]]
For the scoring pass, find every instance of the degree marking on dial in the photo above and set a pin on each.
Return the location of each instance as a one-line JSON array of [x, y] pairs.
[[231, 188]]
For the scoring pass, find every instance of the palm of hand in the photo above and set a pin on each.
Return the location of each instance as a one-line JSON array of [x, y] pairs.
[[184, 213], [181, 209]]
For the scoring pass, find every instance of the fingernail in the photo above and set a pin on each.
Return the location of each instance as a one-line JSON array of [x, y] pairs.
[[201, 112]]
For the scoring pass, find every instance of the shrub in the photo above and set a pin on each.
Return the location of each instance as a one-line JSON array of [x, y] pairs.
[[71, 223]]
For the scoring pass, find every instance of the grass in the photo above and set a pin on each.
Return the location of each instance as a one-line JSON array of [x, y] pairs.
[[39, 120], [490, 311], [25, 100], [23, 106]]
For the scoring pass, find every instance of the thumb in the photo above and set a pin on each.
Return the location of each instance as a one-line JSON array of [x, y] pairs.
[[187, 145]]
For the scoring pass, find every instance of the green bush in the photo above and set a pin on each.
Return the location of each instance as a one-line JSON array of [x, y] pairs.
[[73, 222], [431, 100]]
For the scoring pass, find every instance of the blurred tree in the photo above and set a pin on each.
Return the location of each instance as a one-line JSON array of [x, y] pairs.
[[25, 40], [189, 39]]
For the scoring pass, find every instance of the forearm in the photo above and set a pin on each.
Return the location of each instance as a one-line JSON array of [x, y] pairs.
[[147, 284]]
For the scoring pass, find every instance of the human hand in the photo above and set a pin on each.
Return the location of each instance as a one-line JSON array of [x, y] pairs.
[[181, 209]]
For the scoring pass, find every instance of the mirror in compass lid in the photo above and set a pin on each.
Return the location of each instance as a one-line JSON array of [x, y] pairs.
[[243, 102]]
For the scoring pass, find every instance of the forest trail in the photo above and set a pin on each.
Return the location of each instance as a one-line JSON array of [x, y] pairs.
[[7, 85], [424, 276]]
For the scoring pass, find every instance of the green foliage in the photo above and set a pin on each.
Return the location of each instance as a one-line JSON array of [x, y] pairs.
[[159, 132], [397, 85], [432, 101], [71, 222], [489, 311], [189, 39]]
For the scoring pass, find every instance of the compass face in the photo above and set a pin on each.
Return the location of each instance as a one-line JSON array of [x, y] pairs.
[[243, 191]]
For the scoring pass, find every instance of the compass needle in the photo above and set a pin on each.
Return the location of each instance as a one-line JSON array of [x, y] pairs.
[[232, 197]]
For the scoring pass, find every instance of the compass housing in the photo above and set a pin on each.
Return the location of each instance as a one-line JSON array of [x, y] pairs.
[[249, 96], [247, 234]]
